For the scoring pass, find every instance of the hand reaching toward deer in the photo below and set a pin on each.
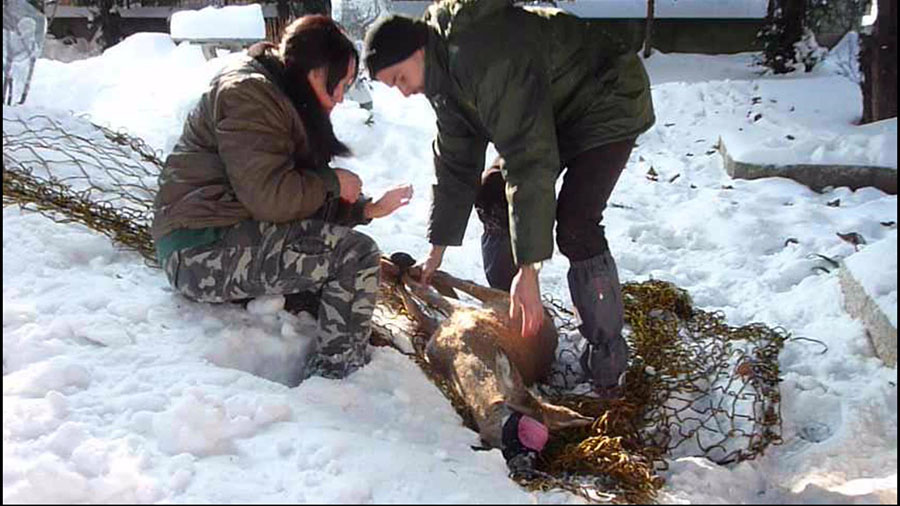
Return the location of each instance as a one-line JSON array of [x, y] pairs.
[[393, 199]]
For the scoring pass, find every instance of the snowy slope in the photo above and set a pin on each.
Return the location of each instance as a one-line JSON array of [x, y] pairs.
[[116, 389], [875, 268]]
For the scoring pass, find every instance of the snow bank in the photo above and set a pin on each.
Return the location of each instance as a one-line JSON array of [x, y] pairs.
[[875, 267], [871, 145], [795, 120], [145, 84], [229, 22]]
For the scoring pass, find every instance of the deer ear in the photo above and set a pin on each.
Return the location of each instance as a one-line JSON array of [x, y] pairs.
[[559, 417]]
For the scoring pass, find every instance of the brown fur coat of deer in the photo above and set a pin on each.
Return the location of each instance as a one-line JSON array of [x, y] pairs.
[[483, 355]]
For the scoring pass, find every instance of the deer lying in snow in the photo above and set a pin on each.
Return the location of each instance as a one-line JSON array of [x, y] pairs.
[[482, 354]]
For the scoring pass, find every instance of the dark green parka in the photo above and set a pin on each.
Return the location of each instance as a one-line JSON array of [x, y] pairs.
[[543, 86]]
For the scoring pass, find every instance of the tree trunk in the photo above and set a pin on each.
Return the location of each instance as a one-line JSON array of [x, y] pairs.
[[110, 24], [792, 13], [784, 27], [283, 8], [878, 59], [648, 32]]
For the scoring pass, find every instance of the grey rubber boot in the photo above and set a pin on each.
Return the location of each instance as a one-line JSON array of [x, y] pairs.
[[597, 295]]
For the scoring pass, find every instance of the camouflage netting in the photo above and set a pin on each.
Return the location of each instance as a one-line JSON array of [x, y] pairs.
[[696, 386]]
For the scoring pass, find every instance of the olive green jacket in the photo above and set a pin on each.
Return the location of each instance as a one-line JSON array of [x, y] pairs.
[[543, 86], [237, 159]]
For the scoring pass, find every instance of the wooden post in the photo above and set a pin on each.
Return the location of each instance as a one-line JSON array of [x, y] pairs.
[[878, 59], [648, 31]]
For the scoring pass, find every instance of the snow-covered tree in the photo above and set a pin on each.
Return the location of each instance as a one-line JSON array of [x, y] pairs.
[[844, 56], [789, 35], [807, 50]]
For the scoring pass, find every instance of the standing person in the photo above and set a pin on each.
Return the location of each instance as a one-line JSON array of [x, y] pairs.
[[552, 92], [247, 202]]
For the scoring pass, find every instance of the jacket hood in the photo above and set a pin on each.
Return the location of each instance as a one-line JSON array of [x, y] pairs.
[[451, 17]]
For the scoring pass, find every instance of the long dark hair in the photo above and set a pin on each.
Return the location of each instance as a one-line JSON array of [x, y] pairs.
[[311, 42]]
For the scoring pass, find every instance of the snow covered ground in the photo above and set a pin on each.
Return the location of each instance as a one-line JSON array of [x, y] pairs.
[[878, 275], [808, 124], [115, 389], [232, 21]]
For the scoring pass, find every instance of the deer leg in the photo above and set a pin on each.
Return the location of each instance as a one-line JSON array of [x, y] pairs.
[[427, 323], [428, 296], [484, 294], [400, 262]]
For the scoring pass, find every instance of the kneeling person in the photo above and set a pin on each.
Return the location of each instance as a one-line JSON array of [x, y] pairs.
[[248, 205]]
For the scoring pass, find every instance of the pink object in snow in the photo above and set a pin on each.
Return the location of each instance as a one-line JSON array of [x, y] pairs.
[[532, 433]]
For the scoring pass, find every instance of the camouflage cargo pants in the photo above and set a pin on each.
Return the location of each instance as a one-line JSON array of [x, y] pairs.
[[259, 258]]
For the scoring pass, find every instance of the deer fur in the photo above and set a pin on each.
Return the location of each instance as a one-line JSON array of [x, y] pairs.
[[483, 354]]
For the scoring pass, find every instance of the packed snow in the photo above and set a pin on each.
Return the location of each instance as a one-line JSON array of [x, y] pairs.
[[116, 389], [229, 22], [808, 125], [875, 268]]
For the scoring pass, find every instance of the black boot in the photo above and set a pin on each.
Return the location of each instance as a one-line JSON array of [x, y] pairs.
[[302, 301], [597, 296]]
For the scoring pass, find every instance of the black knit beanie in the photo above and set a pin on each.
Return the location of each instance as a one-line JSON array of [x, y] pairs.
[[392, 39]]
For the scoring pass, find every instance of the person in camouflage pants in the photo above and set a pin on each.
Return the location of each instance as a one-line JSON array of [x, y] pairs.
[[257, 258], [249, 204]]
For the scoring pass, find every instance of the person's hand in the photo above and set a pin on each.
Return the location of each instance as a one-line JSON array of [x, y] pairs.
[[525, 300], [392, 200], [431, 264], [351, 185]]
